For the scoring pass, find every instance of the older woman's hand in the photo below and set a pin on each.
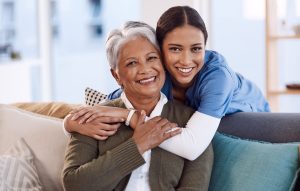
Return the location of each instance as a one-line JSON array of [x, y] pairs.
[[150, 134]]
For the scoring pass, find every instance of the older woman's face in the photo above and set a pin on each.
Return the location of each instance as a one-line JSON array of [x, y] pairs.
[[139, 70]]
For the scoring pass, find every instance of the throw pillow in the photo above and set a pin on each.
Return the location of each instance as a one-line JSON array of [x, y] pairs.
[[93, 97], [17, 170], [247, 165]]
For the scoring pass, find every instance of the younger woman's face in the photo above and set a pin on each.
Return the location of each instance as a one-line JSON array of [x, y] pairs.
[[184, 49]]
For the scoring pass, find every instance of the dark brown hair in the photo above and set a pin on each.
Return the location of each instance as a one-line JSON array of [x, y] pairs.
[[176, 17]]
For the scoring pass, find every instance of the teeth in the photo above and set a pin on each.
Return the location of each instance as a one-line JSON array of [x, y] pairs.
[[147, 80], [185, 70]]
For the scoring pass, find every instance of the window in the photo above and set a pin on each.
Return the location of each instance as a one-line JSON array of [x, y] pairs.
[[54, 19], [95, 18], [7, 30]]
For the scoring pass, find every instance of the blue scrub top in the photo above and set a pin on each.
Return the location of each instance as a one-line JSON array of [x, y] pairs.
[[217, 90]]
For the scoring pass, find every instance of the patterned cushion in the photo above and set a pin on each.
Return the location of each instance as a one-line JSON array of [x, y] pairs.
[[17, 170], [93, 97]]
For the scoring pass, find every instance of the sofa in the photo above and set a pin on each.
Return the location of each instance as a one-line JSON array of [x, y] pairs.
[[40, 127]]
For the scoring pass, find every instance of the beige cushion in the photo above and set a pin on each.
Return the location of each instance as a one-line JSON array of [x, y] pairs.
[[43, 134], [53, 109]]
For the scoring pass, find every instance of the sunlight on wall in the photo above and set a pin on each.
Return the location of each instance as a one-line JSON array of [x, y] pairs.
[[12, 88], [297, 6], [254, 9]]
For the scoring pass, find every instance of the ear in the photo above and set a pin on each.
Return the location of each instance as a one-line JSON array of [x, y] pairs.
[[116, 76]]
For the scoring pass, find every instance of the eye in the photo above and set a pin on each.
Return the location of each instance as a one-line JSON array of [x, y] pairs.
[[197, 49], [152, 58], [175, 49], [131, 63]]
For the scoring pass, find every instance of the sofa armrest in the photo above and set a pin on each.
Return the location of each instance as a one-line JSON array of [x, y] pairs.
[[269, 127]]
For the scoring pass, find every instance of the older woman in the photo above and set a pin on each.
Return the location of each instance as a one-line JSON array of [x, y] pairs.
[[130, 159]]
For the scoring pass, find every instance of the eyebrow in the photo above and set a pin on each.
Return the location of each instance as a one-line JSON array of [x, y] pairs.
[[154, 52], [130, 58], [196, 44], [174, 44]]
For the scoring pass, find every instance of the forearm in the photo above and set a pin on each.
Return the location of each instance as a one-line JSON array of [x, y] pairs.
[[193, 139], [85, 170], [105, 115], [113, 111]]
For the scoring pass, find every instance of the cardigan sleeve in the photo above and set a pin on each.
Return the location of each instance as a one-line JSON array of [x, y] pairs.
[[196, 174], [85, 169]]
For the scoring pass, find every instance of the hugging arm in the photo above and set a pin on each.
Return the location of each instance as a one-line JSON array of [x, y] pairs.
[[189, 144], [98, 122], [216, 96], [193, 139]]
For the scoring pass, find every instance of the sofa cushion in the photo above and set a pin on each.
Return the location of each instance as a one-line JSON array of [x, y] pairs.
[[17, 169], [248, 165], [43, 134], [53, 109]]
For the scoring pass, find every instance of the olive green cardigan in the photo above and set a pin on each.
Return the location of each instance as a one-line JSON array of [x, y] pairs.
[[107, 165]]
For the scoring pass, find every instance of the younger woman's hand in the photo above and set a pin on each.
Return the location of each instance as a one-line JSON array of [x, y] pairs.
[[87, 114], [100, 128]]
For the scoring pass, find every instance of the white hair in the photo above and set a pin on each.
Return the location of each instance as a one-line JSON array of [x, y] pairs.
[[118, 37]]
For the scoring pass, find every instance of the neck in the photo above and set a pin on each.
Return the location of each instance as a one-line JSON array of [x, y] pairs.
[[144, 103], [179, 90], [179, 93]]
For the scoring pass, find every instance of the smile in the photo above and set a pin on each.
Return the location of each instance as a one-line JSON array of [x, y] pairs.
[[185, 70], [147, 80]]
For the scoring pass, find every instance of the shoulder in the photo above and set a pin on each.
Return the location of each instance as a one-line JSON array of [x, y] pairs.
[[115, 94], [213, 57], [215, 70], [177, 112], [114, 103]]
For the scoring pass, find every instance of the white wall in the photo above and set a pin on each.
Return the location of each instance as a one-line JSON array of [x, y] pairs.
[[15, 82], [151, 10]]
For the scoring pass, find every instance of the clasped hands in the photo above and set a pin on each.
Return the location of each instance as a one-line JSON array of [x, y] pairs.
[[100, 122]]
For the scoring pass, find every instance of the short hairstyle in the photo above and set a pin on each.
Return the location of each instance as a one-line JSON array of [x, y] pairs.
[[176, 17], [118, 37]]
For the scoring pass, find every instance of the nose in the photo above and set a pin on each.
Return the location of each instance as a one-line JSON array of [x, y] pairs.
[[185, 58], [144, 67]]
